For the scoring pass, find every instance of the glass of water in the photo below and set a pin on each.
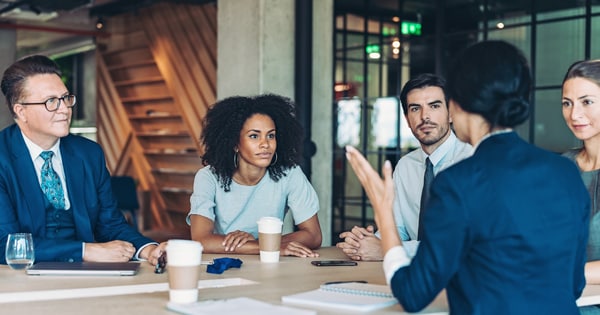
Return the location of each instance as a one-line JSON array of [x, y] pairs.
[[19, 251]]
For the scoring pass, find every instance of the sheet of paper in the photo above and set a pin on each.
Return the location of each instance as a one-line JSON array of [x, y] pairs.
[[43, 295]]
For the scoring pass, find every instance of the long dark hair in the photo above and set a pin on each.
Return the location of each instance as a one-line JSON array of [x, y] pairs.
[[223, 124]]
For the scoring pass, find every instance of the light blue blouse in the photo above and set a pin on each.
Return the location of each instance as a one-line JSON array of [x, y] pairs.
[[242, 206]]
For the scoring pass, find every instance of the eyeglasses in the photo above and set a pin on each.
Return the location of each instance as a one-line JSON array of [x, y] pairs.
[[52, 104]]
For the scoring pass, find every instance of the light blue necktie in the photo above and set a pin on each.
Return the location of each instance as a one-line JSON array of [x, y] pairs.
[[51, 185]]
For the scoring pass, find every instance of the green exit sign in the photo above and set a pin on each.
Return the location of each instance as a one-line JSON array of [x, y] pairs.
[[373, 48], [410, 28]]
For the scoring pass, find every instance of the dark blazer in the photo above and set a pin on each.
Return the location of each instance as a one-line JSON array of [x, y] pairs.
[[505, 232], [22, 202]]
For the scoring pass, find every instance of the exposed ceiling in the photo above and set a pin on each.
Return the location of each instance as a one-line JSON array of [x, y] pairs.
[[44, 24], [48, 26]]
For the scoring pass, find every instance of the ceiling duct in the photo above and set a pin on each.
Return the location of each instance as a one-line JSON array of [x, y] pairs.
[[38, 10]]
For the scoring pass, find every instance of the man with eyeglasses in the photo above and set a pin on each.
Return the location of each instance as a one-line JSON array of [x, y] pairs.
[[55, 185]]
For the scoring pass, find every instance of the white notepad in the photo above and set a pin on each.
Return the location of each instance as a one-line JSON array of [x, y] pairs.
[[349, 296]]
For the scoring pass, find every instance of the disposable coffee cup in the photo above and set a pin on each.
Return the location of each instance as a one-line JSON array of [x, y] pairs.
[[183, 266], [269, 238]]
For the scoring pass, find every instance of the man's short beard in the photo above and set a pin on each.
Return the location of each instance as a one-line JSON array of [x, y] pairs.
[[434, 141]]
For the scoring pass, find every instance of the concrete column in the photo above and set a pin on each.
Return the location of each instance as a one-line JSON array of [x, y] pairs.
[[255, 47], [322, 111], [8, 53]]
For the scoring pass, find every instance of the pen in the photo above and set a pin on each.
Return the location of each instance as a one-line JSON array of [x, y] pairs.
[[338, 282], [162, 264]]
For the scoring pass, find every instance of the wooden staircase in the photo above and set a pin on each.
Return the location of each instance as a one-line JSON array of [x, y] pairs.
[[145, 126]]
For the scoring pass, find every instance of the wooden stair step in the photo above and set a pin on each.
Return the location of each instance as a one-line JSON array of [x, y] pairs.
[[162, 133], [127, 49], [147, 80], [141, 99], [157, 116], [174, 171], [140, 63], [184, 151], [177, 190]]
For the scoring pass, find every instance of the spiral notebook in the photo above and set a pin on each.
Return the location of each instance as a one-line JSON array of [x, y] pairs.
[[351, 296]]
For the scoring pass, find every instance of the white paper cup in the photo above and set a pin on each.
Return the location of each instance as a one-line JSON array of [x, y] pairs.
[[269, 238], [183, 266]]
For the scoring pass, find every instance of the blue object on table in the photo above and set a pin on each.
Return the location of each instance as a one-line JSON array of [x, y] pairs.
[[221, 264]]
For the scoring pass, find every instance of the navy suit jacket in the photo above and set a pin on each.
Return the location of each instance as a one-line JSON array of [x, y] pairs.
[[22, 202], [505, 232]]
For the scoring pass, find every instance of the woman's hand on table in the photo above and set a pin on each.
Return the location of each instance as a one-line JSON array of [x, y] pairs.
[[236, 239]]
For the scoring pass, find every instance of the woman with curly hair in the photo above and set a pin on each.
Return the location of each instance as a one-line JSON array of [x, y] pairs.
[[251, 156]]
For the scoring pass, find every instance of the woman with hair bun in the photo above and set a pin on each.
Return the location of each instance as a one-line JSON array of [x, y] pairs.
[[252, 145], [505, 230]]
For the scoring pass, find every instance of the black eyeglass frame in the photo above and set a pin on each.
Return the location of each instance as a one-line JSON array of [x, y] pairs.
[[60, 100]]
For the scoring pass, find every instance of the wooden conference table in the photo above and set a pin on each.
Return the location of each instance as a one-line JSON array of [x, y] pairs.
[[290, 275]]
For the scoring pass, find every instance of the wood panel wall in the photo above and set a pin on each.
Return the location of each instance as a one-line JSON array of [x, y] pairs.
[[156, 80]]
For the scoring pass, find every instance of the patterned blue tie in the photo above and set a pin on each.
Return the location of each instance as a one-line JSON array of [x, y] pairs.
[[51, 185]]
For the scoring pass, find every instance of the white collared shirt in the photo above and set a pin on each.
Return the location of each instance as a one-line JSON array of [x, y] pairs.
[[408, 181]]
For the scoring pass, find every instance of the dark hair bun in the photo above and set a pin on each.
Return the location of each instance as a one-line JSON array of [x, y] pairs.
[[492, 79], [512, 111]]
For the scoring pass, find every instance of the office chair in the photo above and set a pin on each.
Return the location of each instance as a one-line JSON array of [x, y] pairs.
[[125, 192]]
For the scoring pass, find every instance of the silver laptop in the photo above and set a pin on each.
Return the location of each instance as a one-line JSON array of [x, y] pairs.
[[84, 269]]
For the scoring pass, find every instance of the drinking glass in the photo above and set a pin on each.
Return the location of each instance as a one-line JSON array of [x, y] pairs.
[[19, 251]]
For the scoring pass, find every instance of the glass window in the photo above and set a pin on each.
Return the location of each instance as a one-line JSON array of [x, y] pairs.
[[595, 53], [523, 130], [375, 77], [356, 76], [551, 131], [518, 36], [508, 12], [558, 45], [596, 6], [348, 122], [355, 48], [353, 23], [389, 6], [558, 9]]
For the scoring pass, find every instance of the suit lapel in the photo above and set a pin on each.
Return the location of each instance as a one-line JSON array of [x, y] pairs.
[[74, 171], [28, 185]]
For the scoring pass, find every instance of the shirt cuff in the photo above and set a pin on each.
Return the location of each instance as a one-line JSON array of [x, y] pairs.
[[137, 254], [394, 259], [411, 247], [82, 250]]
